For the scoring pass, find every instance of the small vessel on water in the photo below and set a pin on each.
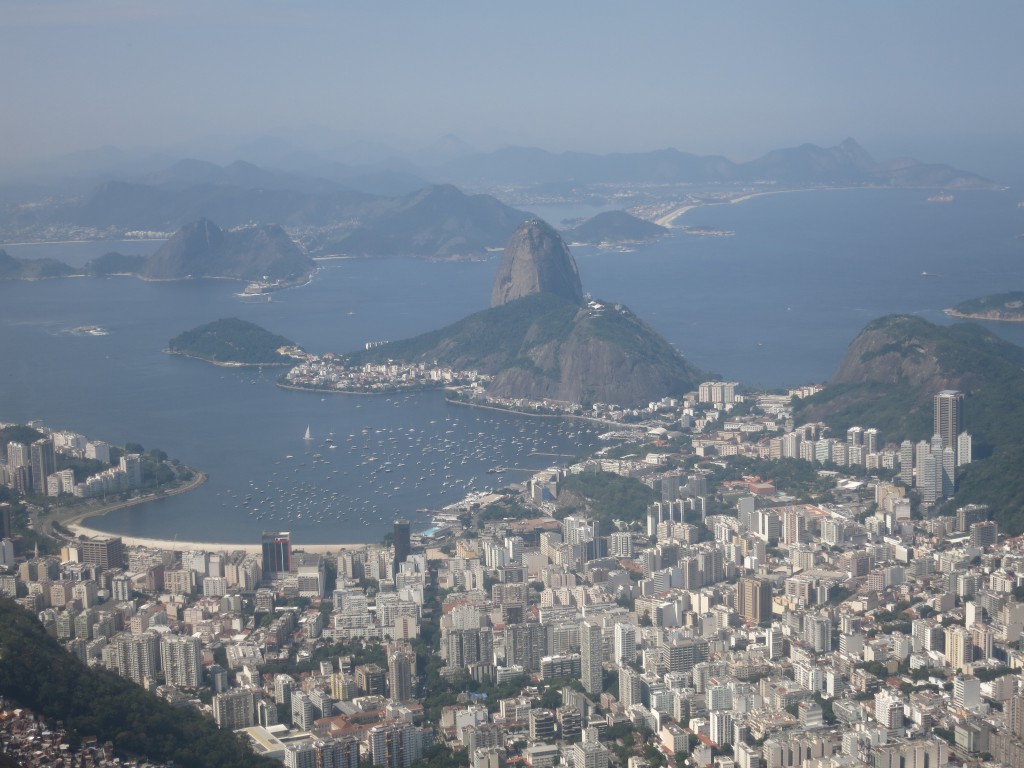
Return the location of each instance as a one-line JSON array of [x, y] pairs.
[[308, 435]]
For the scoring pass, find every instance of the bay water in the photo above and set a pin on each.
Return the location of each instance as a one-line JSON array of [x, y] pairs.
[[773, 305]]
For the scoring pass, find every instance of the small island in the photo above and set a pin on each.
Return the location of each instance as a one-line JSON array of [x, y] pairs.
[[230, 341], [614, 228], [999, 307]]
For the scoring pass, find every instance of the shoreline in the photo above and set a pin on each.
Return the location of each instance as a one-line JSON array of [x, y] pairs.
[[983, 318], [377, 393], [80, 516], [175, 545], [76, 524], [591, 419], [667, 219], [225, 363]]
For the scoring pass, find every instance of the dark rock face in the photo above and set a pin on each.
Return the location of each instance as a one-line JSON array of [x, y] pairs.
[[202, 249], [536, 260]]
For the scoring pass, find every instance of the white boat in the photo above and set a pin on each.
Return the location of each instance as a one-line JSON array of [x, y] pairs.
[[308, 435]]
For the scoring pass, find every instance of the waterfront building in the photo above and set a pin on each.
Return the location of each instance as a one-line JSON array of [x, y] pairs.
[[106, 552], [402, 547], [43, 459], [277, 553]]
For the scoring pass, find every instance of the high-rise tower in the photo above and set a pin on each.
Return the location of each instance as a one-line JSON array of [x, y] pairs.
[[948, 416], [277, 553], [401, 542]]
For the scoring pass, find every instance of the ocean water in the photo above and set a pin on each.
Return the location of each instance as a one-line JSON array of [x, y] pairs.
[[774, 305]]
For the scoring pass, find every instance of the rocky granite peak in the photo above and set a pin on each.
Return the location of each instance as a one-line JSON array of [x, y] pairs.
[[536, 260]]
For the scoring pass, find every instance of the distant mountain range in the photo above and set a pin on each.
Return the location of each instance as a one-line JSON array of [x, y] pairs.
[[438, 221], [199, 249], [382, 209], [846, 164]]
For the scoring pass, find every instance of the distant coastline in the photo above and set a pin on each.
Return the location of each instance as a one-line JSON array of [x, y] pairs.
[[175, 545], [993, 317], [225, 363]]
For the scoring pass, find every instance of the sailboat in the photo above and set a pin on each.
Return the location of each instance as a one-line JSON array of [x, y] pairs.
[[308, 435]]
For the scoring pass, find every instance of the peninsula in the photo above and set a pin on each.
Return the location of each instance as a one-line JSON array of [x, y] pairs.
[[615, 227], [542, 339], [998, 307], [230, 341]]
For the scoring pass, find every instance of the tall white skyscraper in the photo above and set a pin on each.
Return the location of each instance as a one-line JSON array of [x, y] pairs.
[[592, 657], [625, 643], [948, 416], [964, 449], [907, 463]]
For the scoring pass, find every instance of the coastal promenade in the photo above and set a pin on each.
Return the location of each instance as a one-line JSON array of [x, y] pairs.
[[74, 523], [175, 545]]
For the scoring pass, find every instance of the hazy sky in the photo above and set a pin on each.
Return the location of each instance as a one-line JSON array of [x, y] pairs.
[[940, 80]]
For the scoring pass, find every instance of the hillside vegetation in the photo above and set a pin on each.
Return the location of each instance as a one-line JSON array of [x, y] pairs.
[[545, 346], [889, 376], [231, 340], [36, 672]]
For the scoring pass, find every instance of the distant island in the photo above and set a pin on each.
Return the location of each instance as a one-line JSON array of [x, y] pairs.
[[263, 255], [1000, 307], [202, 249], [231, 341], [613, 228]]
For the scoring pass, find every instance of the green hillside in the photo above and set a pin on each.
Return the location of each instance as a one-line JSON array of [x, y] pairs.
[[231, 340], [888, 378], [36, 672], [542, 346]]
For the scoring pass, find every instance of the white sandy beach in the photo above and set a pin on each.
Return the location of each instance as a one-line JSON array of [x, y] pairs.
[[176, 545]]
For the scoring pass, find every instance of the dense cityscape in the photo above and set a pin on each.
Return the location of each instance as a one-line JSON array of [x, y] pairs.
[[840, 620]]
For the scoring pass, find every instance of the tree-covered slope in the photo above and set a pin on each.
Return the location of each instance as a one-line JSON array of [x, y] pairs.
[[615, 227], [36, 672], [889, 376], [202, 249], [545, 346], [231, 340], [12, 268], [997, 306]]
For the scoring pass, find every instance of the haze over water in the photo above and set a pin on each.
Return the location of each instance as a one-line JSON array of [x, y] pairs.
[[774, 305]]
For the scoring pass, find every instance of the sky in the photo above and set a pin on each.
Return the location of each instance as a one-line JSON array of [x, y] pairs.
[[941, 81]]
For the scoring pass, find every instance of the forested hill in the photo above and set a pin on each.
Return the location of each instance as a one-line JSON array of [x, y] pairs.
[[36, 672], [889, 376], [230, 340]]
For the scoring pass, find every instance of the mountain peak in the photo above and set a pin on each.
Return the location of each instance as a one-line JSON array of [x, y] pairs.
[[536, 260]]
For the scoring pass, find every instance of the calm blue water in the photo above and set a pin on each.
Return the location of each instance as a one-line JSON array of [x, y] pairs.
[[777, 303], [774, 305]]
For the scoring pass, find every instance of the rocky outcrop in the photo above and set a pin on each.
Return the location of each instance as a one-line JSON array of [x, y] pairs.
[[536, 260], [608, 356], [540, 340], [202, 249], [894, 367]]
